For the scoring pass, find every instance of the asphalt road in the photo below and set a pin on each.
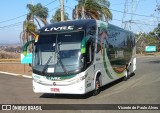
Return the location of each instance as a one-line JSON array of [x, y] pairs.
[[142, 88]]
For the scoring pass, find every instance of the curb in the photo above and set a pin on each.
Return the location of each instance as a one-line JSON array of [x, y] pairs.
[[14, 74], [147, 56]]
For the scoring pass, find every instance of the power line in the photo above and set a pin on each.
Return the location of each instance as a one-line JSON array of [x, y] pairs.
[[73, 8], [50, 3], [23, 15], [13, 18], [121, 3], [69, 7], [11, 25], [53, 9], [135, 14], [133, 21], [124, 12], [19, 23]]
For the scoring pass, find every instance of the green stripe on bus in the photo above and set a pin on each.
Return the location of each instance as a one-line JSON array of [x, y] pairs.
[[119, 75], [26, 46], [105, 65]]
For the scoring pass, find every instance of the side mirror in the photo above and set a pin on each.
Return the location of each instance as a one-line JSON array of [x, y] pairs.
[[30, 65]]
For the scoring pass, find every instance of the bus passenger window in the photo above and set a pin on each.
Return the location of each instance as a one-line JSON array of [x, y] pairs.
[[89, 53], [98, 47]]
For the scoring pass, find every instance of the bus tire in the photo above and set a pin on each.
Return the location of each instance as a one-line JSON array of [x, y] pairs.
[[126, 77], [96, 91], [129, 71]]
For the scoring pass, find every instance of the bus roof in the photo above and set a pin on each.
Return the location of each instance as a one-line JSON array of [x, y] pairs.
[[74, 25], [67, 26], [111, 26]]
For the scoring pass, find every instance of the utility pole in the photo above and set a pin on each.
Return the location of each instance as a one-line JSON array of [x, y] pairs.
[[124, 14], [132, 14], [62, 9], [128, 24]]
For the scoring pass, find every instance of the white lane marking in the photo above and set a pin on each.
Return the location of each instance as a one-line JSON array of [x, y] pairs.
[[9, 73], [146, 56], [14, 74], [26, 76]]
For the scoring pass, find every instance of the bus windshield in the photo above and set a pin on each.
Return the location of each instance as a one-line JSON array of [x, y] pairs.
[[58, 53]]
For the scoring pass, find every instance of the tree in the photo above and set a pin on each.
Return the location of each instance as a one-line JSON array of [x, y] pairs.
[[146, 40], [94, 9], [57, 16], [29, 31], [156, 31], [37, 12], [140, 43]]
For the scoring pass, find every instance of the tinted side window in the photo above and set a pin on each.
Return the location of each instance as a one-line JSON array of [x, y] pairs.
[[91, 30]]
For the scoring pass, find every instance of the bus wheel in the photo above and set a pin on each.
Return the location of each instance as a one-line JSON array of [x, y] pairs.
[[97, 87], [127, 76]]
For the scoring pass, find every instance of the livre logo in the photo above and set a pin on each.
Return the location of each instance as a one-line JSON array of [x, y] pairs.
[[59, 28]]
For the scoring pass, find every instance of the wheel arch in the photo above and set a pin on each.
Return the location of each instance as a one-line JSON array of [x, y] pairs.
[[98, 74]]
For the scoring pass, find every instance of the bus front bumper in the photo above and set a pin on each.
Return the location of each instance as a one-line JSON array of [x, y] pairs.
[[77, 88]]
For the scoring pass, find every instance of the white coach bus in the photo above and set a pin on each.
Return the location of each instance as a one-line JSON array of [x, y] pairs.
[[77, 57]]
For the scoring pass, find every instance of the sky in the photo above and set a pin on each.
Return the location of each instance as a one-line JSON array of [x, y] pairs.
[[13, 13]]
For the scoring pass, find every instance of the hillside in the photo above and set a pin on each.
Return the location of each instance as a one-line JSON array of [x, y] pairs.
[[10, 51]]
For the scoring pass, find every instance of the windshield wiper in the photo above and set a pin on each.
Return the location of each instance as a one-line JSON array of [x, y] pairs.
[[59, 58], [46, 65]]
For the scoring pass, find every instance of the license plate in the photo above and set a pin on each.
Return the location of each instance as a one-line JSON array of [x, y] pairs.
[[55, 90]]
